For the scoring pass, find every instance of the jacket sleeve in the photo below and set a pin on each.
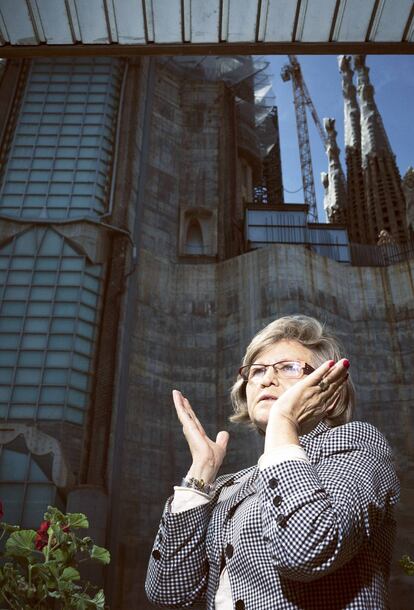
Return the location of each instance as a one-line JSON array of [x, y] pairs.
[[316, 517], [178, 569]]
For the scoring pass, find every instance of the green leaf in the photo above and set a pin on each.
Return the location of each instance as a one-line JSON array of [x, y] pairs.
[[407, 565], [77, 520], [70, 574], [100, 554], [99, 600], [21, 544]]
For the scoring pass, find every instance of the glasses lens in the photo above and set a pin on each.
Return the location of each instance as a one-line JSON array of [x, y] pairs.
[[256, 372], [289, 370]]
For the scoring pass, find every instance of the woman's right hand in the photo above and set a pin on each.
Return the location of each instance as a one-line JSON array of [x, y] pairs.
[[207, 455]]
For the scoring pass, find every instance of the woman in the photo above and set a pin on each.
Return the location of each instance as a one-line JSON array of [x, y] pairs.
[[311, 525]]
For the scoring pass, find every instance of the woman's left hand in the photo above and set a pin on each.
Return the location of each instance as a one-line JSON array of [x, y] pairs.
[[311, 399]]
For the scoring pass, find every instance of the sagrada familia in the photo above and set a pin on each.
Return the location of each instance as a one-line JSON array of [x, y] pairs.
[[144, 239]]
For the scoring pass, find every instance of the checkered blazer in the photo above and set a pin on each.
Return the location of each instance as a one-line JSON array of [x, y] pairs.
[[295, 536]]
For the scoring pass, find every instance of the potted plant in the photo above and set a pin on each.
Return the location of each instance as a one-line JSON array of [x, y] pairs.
[[40, 569]]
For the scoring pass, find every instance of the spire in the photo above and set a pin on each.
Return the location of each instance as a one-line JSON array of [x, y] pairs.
[[352, 128], [374, 140], [385, 206], [335, 189], [408, 190]]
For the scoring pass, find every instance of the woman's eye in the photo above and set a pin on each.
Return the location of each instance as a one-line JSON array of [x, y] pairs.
[[257, 371], [290, 368]]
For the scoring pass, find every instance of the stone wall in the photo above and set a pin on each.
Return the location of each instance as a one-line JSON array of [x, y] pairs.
[[192, 325]]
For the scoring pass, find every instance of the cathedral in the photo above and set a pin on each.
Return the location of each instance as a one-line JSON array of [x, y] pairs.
[[144, 239]]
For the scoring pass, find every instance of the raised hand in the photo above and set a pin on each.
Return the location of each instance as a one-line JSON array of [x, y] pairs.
[[305, 403], [208, 455]]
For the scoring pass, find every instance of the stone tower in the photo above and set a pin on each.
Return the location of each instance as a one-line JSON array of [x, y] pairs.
[[356, 220], [384, 199], [335, 203]]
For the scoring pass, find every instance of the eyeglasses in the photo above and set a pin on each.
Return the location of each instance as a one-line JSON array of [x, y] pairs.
[[286, 369]]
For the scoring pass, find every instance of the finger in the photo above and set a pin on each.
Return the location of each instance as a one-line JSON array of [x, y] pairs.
[[222, 439], [192, 414], [338, 371], [182, 413], [318, 374]]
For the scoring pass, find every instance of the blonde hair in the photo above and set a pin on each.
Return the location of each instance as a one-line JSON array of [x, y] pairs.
[[310, 333]]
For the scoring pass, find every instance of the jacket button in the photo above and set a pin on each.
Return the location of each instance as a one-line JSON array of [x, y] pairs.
[[273, 483], [239, 605], [229, 551], [277, 500], [156, 554], [281, 520]]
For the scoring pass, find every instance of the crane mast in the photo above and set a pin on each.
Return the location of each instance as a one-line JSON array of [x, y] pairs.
[[302, 99]]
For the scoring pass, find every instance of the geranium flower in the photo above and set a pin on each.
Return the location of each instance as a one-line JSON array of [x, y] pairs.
[[42, 537]]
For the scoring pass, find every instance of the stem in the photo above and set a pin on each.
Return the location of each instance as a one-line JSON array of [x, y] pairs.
[[9, 601], [49, 542]]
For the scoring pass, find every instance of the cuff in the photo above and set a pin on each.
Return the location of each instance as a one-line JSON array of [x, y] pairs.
[[186, 498], [282, 454]]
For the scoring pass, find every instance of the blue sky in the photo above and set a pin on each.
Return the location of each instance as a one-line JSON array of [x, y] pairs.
[[393, 80]]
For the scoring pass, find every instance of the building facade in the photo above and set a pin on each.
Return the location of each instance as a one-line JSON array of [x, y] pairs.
[[126, 272]]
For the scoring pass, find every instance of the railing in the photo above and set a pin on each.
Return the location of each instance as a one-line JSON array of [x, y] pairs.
[[365, 255]]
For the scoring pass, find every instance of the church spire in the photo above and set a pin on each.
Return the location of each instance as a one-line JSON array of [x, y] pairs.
[[374, 139], [352, 127], [334, 183]]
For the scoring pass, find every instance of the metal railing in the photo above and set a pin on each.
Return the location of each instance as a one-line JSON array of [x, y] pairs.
[[367, 255]]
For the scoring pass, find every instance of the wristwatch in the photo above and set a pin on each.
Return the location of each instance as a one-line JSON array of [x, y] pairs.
[[199, 485]]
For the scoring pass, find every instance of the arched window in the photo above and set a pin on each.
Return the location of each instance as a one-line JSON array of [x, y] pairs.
[[194, 242]]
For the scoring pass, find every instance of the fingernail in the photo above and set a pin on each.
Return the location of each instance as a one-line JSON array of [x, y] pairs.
[[331, 363], [346, 363]]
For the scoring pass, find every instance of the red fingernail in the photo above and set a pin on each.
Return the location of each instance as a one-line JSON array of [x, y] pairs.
[[346, 363], [331, 363]]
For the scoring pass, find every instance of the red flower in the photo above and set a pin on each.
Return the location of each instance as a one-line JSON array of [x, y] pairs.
[[42, 535], [1, 511]]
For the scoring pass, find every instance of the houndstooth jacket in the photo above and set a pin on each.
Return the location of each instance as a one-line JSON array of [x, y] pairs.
[[295, 536]]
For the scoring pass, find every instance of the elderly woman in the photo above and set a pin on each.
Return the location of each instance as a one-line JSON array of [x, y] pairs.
[[311, 525]]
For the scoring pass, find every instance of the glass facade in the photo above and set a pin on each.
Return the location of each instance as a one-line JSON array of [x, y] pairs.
[[58, 167], [60, 158], [49, 306]]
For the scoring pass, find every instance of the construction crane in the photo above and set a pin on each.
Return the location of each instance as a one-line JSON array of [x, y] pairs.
[[302, 99]]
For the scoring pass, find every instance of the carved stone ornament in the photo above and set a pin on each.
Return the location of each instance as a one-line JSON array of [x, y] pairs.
[[39, 443]]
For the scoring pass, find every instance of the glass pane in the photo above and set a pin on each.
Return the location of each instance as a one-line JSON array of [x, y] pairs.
[[52, 395], [36, 473], [12, 498], [13, 465], [54, 412], [34, 341], [25, 394], [31, 359], [24, 375], [22, 411], [55, 376], [58, 359], [36, 325], [74, 415], [38, 498]]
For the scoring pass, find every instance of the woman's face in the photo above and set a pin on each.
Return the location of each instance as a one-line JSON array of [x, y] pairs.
[[261, 395]]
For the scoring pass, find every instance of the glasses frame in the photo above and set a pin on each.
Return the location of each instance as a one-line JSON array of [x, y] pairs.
[[306, 368]]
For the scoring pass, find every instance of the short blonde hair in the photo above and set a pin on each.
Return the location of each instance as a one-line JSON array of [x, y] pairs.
[[310, 333]]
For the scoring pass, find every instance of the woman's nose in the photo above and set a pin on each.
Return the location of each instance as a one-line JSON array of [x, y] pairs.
[[270, 377]]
